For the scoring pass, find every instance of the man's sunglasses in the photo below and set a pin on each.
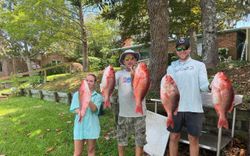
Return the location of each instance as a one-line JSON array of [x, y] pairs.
[[180, 49]]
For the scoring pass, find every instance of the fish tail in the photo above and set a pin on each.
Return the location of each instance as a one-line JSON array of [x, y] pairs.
[[107, 104], [138, 109], [170, 122], [222, 123]]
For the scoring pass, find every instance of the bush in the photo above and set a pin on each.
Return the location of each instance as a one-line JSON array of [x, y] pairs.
[[35, 80], [57, 70], [113, 60], [95, 63], [223, 53], [172, 57]]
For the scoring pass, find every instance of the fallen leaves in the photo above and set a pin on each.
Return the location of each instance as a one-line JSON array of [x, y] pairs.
[[50, 149]]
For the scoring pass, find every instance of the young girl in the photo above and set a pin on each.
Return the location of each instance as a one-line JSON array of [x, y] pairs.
[[89, 128]]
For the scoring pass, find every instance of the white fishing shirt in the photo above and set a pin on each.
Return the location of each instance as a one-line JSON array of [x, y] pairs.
[[191, 78]]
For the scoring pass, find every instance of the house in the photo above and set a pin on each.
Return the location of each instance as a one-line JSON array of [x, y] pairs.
[[10, 66], [233, 40]]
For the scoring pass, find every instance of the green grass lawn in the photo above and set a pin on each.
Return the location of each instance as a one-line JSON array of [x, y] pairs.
[[33, 127]]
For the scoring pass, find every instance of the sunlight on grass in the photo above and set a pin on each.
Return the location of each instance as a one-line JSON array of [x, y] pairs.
[[54, 77], [5, 91], [37, 127], [7, 111], [34, 133], [18, 118]]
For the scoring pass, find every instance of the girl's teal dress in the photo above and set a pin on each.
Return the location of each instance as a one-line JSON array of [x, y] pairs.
[[89, 127]]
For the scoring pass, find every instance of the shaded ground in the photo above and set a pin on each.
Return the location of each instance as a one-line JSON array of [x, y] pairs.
[[240, 76]]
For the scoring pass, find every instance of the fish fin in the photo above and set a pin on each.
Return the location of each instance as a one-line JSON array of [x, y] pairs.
[[107, 104], [170, 122], [135, 82], [231, 108], [138, 109], [232, 105], [216, 107], [176, 111], [222, 123]]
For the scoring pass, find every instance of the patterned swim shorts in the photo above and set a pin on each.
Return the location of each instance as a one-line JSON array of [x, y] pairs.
[[131, 125]]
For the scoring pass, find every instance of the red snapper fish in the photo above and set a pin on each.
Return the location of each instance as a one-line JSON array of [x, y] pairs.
[[141, 84], [223, 97], [84, 98], [170, 96], [107, 84]]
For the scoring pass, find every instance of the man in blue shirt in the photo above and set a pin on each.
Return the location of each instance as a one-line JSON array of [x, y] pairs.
[[191, 78]]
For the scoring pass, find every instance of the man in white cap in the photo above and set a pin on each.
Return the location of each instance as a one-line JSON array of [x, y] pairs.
[[128, 119]]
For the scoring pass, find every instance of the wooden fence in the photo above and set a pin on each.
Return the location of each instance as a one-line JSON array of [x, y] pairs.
[[42, 70]]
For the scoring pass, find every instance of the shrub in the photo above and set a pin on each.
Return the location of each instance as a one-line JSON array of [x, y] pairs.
[[171, 57], [113, 60], [95, 63], [35, 80], [57, 70], [223, 53]]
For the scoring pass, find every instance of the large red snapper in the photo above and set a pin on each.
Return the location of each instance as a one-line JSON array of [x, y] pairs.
[[141, 82], [84, 98], [170, 96], [107, 84], [223, 97]]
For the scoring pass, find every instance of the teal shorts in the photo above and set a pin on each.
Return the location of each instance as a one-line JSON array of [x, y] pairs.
[[131, 125]]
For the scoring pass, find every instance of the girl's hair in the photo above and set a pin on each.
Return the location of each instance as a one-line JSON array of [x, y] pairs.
[[91, 74]]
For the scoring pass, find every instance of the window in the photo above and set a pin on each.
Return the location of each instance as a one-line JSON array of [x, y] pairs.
[[55, 62]]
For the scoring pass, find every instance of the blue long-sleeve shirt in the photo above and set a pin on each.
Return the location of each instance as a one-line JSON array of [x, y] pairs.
[[191, 78]]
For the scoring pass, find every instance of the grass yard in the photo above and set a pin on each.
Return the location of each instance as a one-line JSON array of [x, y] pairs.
[[33, 127]]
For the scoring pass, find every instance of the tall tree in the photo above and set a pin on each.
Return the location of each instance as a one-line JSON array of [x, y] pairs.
[[185, 20], [102, 34], [158, 16], [29, 25], [79, 4], [209, 46], [133, 18]]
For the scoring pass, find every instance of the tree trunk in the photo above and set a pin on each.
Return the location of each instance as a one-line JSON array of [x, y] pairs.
[[14, 65], [193, 43], [83, 38], [209, 46], [158, 17], [27, 59], [29, 65]]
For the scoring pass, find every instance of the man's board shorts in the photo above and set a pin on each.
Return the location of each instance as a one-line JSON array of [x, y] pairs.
[[192, 122], [134, 125]]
